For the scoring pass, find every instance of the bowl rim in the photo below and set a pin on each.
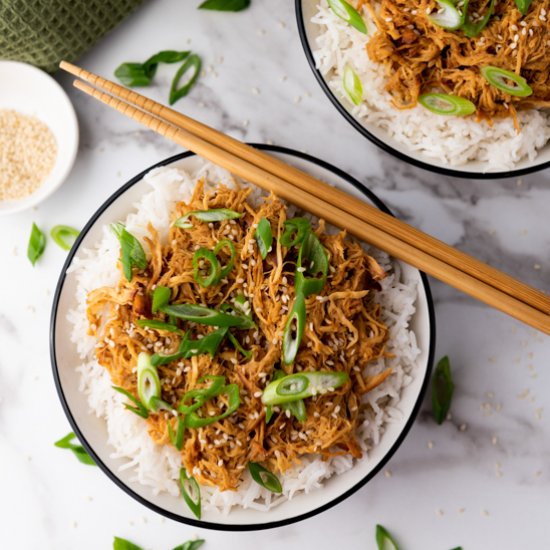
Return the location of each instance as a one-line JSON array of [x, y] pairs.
[[382, 144], [214, 525], [70, 152]]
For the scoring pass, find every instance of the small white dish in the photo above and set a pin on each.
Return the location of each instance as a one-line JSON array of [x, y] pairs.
[[33, 92]]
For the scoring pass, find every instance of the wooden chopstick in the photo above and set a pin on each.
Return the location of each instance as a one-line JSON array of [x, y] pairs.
[[363, 230], [349, 204]]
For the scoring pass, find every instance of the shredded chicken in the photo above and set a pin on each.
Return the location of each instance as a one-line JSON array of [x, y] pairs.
[[421, 57], [343, 333]]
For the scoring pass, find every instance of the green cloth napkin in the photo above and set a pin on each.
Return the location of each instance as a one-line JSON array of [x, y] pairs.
[[43, 32]]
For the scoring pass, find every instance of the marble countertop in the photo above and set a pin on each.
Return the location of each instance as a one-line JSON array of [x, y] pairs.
[[481, 480]]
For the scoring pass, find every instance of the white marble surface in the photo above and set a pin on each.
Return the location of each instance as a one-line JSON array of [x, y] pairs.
[[480, 481]]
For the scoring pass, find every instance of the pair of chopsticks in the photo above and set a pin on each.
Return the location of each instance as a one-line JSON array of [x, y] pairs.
[[364, 221]]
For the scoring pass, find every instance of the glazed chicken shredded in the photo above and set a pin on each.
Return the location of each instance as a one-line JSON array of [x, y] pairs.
[[343, 332], [422, 57]]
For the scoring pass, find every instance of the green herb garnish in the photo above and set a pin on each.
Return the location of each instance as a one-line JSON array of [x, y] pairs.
[[177, 437], [348, 13], [384, 540], [193, 420], [237, 345], [294, 329], [295, 231], [191, 492], [139, 409], [206, 316], [123, 544], [207, 216], [311, 267], [226, 243], [472, 29], [262, 476], [161, 298], [132, 253], [352, 85], [141, 74], [78, 450], [194, 63], [523, 6], [148, 381], [158, 325], [506, 81], [264, 237], [213, 275], [448, 16], [190, 545], [225, 5], [442, 390], [60, 234], [445, 104], [37, 244]]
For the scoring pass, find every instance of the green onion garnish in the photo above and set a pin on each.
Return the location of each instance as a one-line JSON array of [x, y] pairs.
[[237, 345], [384, 540], [264, 237], [192, 62], [139, 409], [123, 544], [300, 385], [523, 6], [148, 381], [352, 85], [158, 325], [442, 390], [78, 450], [141, 74], [448, 15], [191, 492], [226, 243], [207, 216], [177, 437], [507, 81], [294, 329], [193, 420], [199, 396], [190, 544], [225, 5], [206, 316], [348, 13], [295, 231], [472, 29], [132, 253], [297, 409], [311, 267], [161, 298], [60, 234], [37, 244], [444, 104], [214, 272], [262, 476]]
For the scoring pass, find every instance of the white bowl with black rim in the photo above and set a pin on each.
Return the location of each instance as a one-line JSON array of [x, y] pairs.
[[309, 32], [92, 431]]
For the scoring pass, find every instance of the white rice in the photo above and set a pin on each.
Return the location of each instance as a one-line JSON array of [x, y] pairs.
[[158, 466], [452, 140]]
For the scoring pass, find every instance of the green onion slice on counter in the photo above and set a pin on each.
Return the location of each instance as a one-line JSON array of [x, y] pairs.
[[37, 244], [384, 540], [123, 544], [158, 325], [161, 298], [207, 216], [295, 231], [193, 420], [190, 545], [442, 390], [132, 253], [444, 104], [300, 385], [348, 13], [212, 276], [507, 81], [523, 6], [294, 329], [226, 243], [448, 15], [148, 381], [225, 5], [141, 74], [139, 409], [311, 267], [472, 29], [262, 476], [63, 233], [247, 354], [177, 437], [206, 316], [264, 237], [352, 85], [199, 396], [191, 492], [192, 62], [78, 450]]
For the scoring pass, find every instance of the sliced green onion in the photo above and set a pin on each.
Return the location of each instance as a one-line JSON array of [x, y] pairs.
[[141, 74], [207, 216], [442, 390], [444, 104], [193, 420], [297, 409], [313, 262], [448, 16], [348, 13], [161, 298], [123, 544], [246, 353], [300, 385], [190, 544], [199, 396], [206, 316], [384, 540], [262, 476], [60, 234], [226, 243], [264, 237], [148, 381], [472, 29], [295, 231], [507, 81], [37, 244], [77, 449], [192, 62], [158, 325], [191, 492], [352, 85], [523, 6], [139, 409], [224, 5], [214, 273], [132, 253], [177, 437], [294, 329]]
